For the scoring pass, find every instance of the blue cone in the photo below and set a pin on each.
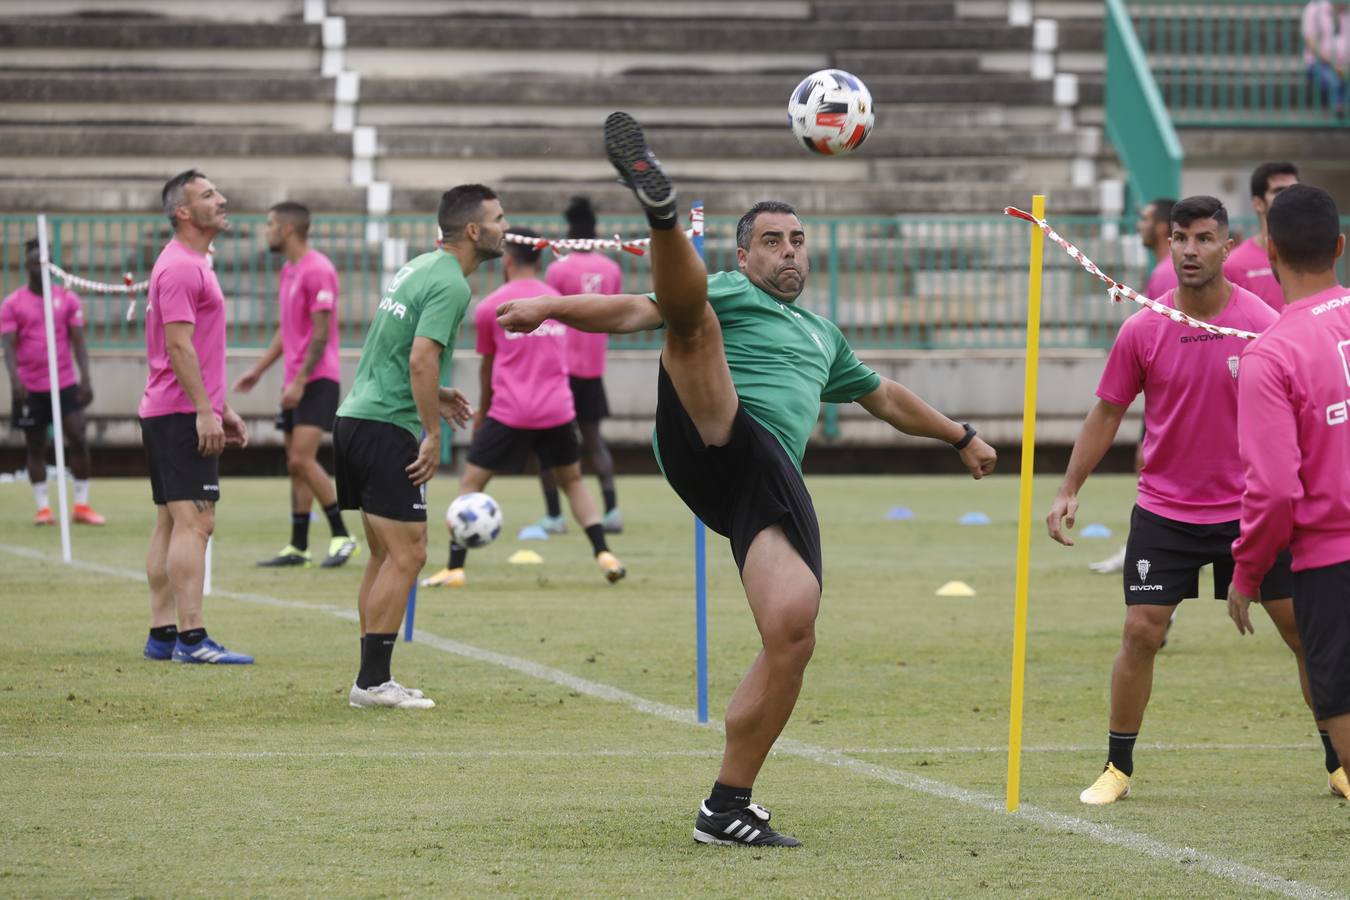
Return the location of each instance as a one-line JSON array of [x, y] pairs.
[[532, 533], [900, 514], [1096, 530], [975, 518]]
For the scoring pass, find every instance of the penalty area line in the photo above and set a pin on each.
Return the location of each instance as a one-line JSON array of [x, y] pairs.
[[1189, 858]]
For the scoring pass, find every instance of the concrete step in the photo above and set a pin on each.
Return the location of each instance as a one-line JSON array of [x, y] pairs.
[[579, 9], [872, 63]]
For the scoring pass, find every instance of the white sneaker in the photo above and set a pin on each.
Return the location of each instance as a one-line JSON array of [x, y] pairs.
[[391, 694], [1110, 565]]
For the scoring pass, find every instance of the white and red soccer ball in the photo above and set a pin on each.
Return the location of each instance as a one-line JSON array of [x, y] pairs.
[[831, 112]]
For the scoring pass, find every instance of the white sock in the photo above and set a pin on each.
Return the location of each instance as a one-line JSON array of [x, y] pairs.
[[40, 494], [81, 492]]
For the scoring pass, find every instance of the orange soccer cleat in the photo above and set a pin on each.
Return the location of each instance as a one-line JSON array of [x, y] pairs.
[[44, 517], [85, 515]]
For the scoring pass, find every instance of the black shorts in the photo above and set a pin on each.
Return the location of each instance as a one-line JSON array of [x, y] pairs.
[[177, 470], [501, 448], [318, 407], [36, 411], [589, 396], [1322, 612], [740, 488], [370, 463], [1163, 558]]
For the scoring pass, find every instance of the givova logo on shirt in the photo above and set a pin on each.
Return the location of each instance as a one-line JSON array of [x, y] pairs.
[[1339, 413], [1142, 566]]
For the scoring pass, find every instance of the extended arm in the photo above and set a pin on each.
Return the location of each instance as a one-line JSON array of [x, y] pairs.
[[81, 350], [318, 343], [1094, 439], [609, 313], [187, 370], [249, 379], [424, 371], [906, 411], [484, 390], [12, 366]]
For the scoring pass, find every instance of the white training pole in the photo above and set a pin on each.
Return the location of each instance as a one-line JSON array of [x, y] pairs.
[[206, 578], [58, 431]]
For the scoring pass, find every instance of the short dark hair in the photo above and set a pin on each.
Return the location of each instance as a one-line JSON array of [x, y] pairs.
[[30, 246], [1261, 175], [1201, 206], [459, 207], [173, 193], [297, 214], [1304, 225], [580, 216], [526, 254], [1162, 210], [746, 225]]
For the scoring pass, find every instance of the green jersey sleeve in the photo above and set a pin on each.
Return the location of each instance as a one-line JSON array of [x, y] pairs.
[[442, 310], [849, 377]]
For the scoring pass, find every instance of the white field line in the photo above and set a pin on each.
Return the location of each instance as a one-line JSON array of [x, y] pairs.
[[1192, 859]]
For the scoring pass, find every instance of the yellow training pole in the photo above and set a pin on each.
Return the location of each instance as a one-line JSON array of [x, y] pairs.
[[1019, 661]]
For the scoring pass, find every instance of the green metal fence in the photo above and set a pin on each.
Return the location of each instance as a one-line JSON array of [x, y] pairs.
[[902, 282], [1137, 120], [1236, 63]]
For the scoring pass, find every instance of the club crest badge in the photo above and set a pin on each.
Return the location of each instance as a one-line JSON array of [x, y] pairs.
[[1142, 566], [1233, 366]]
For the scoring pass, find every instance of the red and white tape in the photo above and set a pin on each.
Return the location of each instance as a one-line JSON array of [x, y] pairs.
[[1116, 290], [586, 245], [129, 286]]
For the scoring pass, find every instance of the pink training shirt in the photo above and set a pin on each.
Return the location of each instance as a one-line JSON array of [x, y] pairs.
[[1192, 471], [1248, 266], [585, 273], [21, 315], [1162, 279], [307, 286], [183, 288], [529, 371], [1294, 433]]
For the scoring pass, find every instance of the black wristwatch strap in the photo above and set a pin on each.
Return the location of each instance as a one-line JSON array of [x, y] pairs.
[[969, 436]]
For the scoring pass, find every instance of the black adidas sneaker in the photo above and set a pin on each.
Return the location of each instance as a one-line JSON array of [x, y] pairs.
[[747, 826], [638, 166]]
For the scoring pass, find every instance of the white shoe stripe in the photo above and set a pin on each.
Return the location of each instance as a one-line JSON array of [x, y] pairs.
[[752, 836], [732, 827], [742, 832]]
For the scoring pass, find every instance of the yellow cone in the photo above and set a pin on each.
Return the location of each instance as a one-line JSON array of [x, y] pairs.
[[525, 558], [956, 589]]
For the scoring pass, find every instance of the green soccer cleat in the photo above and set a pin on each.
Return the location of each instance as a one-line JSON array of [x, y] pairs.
[[340, 549]]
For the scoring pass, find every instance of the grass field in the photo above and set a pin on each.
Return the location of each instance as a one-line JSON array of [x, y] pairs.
[[562, 759]]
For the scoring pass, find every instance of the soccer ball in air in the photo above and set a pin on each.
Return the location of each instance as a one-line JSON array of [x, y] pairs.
[[475, 520], [831, 112]]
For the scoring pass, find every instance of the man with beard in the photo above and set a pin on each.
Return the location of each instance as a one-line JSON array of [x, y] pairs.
[[308, 340]]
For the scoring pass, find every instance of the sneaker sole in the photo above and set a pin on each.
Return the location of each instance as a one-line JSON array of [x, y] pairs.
[[615, 575], [628, 152], [302, 564], [703, 837], [1107, 803], [424, 703]]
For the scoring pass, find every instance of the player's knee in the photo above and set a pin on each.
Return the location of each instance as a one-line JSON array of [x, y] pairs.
[[792, 638], [1142, 637], [296, 464]]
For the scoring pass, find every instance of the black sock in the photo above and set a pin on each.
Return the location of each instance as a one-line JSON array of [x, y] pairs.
[[170, 633], [376, 652], [1333, 761], [334, 514], [192, 637], [611, 499], [300, 530], [596, 534], [458, 556], [660, 224], [551, 502], [1120, 751], [725, 798]]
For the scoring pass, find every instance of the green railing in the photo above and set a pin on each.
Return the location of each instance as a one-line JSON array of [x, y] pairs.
[[1137, 120], [1237, 63], [902, 282]]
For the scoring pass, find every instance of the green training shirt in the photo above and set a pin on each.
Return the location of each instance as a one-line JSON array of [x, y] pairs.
[[784, 361], [427, 298]]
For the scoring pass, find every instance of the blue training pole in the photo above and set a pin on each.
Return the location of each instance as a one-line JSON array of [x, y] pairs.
[[700, 546]]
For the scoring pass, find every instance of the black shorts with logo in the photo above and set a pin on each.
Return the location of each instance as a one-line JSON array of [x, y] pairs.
[[589, 396], [36, 410], [1163, 558], [1322, 613], [501, 448], [740, 488], [318, 407], [370, 466], [177, 470]]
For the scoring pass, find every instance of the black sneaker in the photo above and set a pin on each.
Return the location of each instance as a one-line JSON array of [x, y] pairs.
[[747, 826], [287, 556], [638, 166]]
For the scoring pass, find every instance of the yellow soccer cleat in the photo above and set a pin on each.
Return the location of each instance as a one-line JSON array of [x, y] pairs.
[[1109, 787], [445, 578], [609, 564], [1339, 784]]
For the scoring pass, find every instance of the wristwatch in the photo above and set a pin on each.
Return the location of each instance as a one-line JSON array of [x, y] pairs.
[[966, 438]]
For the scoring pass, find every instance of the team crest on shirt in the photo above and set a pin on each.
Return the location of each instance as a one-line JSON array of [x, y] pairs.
[[1142, 565], [1233, 366]]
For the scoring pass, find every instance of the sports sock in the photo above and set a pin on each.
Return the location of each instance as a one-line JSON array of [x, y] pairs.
[[192, 637], [40, 494], [552, 503], [663, 224], [81, 491], [1333, 761], [164, 633], [458, 556], [1120, 751], [596, 534], [300, 530], [724, 797], [376, 652], [611, 499], [334, 514]]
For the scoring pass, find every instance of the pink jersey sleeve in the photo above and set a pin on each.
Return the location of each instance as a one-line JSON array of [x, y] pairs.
[[1123, 377], [1268, 444], [9, 320], [177, 285], [74, 310], [484, 324], [321, 289]]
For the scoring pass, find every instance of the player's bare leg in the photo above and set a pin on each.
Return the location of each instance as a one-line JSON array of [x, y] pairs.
[[1281, 613], [401, 550], [193, 523], [587, 514], [163, 610]]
